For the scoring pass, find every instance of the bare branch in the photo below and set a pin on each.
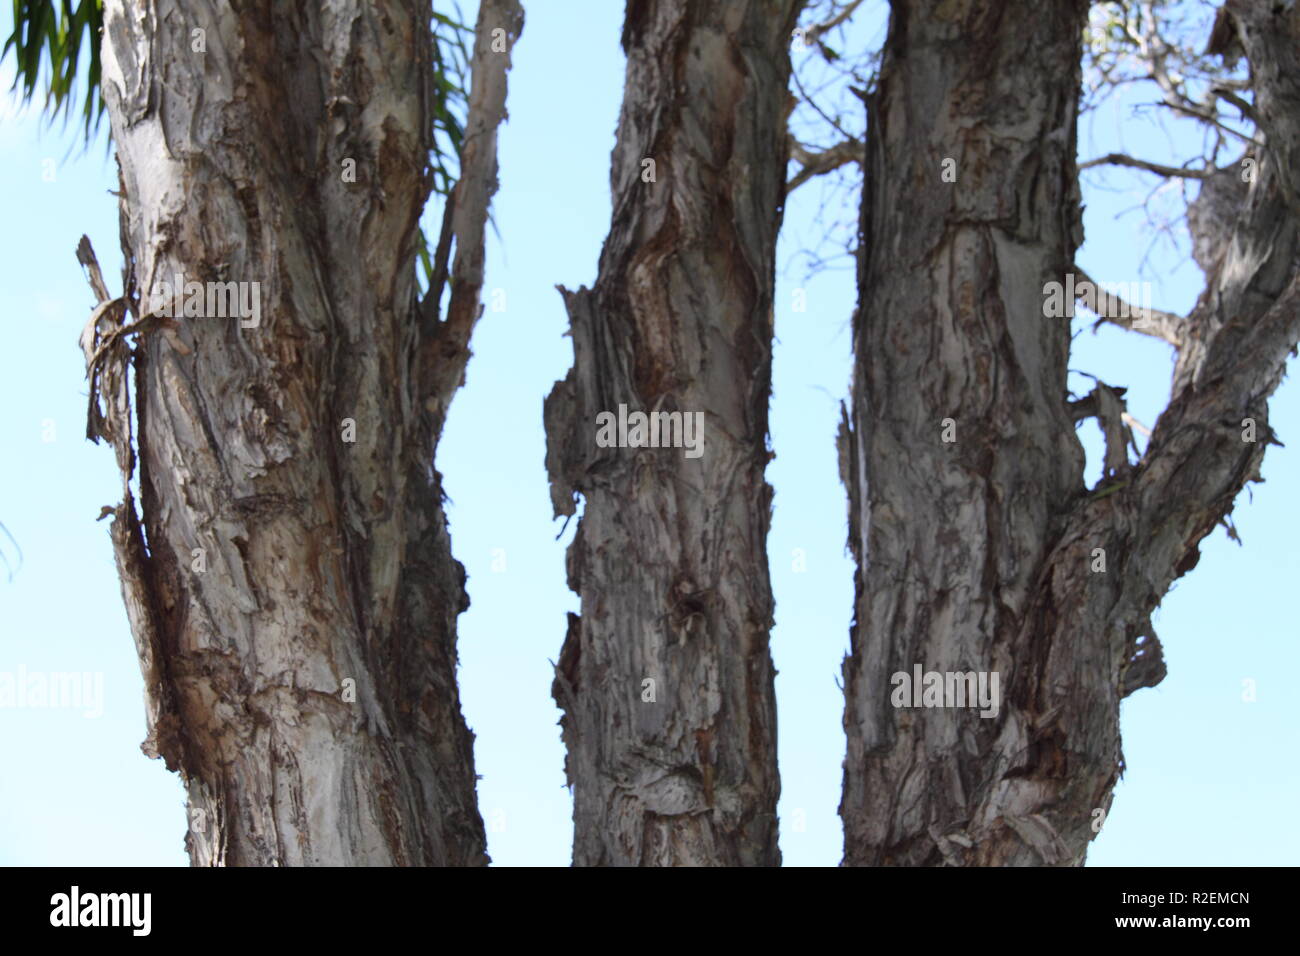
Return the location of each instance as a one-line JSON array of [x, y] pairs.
[[432, 301], [806, 98], [1133, 423], [1236, 343], [446, 346], [1119, 159], [814, 33], [1246, 109], [825, 161], [1166, 326]]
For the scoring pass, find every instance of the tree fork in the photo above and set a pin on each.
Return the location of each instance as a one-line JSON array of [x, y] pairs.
[[988, 552]]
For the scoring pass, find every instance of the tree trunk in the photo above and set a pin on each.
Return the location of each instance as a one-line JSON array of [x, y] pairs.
[[981, 554], [665, 679], [289, 581]]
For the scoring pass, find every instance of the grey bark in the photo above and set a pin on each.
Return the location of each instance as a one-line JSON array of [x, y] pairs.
[[978, 555], [670, 553], [273, 564]]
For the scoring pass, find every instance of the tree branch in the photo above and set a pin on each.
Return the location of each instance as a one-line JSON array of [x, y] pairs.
[[432, 301], [1166, 326], [1210, 440], [446, 345], [814, 33], [828, 160], [1119, 159]]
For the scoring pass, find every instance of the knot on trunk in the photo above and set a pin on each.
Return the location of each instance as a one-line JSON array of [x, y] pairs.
[[1144, 665]]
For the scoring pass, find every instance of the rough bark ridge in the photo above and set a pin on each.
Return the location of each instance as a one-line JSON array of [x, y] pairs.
[[291, 536], [979, 555], [670, 554]]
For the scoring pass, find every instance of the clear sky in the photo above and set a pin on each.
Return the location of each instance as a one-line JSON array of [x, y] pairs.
[[1211, 777]]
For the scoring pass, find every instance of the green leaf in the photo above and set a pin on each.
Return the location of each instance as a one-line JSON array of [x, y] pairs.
[[49, 42]]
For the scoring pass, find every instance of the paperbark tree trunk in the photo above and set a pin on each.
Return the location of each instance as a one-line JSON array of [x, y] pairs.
[[665, 679], [982, 553], [289, 577]]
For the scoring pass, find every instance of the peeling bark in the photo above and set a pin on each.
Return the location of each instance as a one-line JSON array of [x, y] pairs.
[[981, 554], [290, 581], [670, 553]]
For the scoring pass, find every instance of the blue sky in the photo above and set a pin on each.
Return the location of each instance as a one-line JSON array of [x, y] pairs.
[[1211, 777]]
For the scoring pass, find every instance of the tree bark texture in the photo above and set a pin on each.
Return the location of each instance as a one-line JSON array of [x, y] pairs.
[[670, 552], [980, 554], [289, 577]]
